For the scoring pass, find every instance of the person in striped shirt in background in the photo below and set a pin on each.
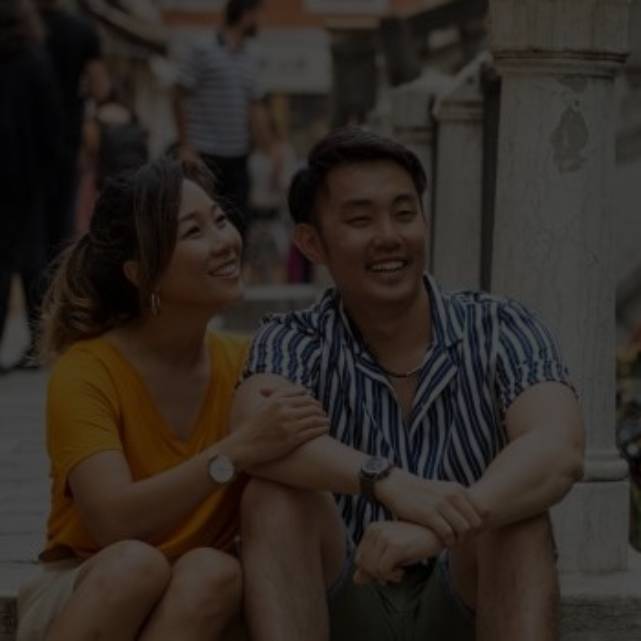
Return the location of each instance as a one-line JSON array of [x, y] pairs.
[[218, 106], [454, 428]]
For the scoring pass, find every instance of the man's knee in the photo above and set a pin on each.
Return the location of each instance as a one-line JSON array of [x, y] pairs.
[[126, 572], [529, 539], [274, 506]]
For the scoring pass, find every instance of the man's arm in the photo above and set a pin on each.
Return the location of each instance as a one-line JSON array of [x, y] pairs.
[[325, 464], [542, 461]]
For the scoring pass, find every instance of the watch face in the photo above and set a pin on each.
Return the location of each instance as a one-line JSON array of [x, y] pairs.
[[375, 466], [221, 469]]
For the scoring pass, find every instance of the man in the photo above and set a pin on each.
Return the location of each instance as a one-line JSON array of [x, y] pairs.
[[75, 50], [217, 103], [453, 430]]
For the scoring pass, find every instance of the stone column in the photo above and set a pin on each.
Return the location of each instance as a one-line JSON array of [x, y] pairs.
[[412, 124], [552, 238], [457, 218]]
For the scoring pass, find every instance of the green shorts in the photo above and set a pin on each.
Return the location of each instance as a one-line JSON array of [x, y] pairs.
[[423, 607]]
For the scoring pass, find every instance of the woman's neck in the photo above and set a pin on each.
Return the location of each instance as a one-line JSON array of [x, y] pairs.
[[176, 341]]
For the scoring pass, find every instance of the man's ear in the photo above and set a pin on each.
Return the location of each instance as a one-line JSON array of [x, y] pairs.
[[308, 240], [130, 270]]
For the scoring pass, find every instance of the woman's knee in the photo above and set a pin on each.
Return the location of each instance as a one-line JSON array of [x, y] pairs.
[[126, 571], [206, 583]]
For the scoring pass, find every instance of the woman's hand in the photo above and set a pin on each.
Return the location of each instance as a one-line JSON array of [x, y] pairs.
[[288, 417]]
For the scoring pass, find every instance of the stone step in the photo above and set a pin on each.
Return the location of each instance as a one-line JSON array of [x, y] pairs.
[[602, 607], [259, 301], [595, 608]]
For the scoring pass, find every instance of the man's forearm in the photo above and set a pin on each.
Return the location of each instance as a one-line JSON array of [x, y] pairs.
[[530, 475], [323, 464]]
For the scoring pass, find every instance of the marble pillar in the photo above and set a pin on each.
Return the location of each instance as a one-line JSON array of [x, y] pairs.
[[457, 218], [553, 222]]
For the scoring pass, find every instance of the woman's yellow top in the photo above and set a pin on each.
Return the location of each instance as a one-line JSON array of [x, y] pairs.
[[97, 402]]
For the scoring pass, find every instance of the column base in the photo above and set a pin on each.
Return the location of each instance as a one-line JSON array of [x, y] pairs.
[[592, 526], [602, 607]]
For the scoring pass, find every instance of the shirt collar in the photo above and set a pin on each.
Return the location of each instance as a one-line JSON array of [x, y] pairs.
[[447, 326]]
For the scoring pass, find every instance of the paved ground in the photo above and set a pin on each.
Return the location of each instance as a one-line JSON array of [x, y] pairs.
[[24, 470]]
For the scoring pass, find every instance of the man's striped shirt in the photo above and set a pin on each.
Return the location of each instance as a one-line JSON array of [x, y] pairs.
[[485, 351], [221, 85]]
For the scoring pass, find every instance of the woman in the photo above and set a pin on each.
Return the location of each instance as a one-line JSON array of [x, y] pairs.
[[31, 139], [144, 507]]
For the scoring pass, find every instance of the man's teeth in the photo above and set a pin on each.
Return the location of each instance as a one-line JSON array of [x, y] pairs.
[[390, 266]]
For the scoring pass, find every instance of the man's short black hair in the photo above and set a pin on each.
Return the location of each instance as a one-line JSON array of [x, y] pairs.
[[236, 9], [347, 146]]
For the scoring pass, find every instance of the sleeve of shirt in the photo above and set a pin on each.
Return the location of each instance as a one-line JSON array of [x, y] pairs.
[[82, 412], [285, 348], [527, 354]]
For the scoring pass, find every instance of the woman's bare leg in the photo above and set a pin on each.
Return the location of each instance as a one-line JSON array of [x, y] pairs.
[[203, 598], [114, 593]]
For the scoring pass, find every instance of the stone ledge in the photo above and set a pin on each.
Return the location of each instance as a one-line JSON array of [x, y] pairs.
[[602, 608], [259, 301], [594, 608]]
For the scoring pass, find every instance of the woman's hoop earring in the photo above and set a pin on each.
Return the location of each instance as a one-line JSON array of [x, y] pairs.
[[154, 300]]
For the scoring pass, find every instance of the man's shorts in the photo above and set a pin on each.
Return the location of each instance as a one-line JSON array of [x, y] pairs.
[[44, 597], [423, 606]]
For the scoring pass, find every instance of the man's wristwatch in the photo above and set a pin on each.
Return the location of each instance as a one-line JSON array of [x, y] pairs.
[[221, 469], [374, 469]]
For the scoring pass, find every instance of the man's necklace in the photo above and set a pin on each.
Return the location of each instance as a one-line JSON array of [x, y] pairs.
[[409, 374]]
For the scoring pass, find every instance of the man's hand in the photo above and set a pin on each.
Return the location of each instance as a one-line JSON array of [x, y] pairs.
[[387, 546], [446, 509]]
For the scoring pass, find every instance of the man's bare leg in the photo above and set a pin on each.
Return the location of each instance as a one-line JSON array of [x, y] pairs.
[[293, 548], [509, 576]]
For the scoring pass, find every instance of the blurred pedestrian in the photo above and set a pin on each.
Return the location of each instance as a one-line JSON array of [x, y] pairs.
[[115, 139], [30, 139], [268, 230], [75, 50], [217, 103]]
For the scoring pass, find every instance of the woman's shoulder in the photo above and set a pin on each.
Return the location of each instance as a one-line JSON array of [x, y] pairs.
[[229, 349], [86, 361]]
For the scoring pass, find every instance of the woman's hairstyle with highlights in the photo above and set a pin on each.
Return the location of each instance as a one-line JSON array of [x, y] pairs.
[[346, 146], [135, 218]]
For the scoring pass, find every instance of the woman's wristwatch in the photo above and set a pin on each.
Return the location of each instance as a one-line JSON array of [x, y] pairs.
[[221, 469]]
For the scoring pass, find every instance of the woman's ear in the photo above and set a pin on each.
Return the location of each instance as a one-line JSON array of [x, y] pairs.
[[309, 242], [130, 270]]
